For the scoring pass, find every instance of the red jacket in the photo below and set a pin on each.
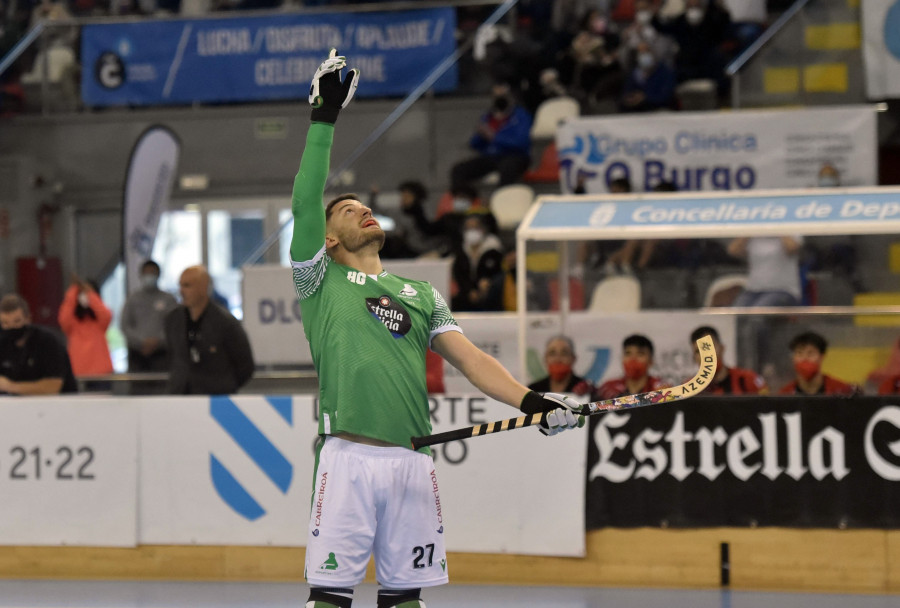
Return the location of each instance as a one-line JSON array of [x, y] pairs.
[[831, 386], [86, 337], [617, 388], [739, 382]]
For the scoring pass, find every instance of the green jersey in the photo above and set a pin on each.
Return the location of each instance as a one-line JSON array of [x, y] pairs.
[[368, 334]]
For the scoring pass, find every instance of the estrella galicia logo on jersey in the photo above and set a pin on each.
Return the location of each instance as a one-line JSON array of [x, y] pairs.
[[256, 446], [408, 291], [391, 314]]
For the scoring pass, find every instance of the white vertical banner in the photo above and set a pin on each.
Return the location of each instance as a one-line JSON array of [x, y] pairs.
[[68, 472], [148, 186], [881, 48]]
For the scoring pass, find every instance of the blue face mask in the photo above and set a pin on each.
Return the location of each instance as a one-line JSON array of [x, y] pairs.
[[828, 182]]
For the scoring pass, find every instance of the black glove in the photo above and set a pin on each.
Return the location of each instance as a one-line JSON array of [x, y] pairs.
[[328, 93]]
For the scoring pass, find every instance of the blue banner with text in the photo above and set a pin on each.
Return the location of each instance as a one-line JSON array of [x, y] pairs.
[[261, 58]]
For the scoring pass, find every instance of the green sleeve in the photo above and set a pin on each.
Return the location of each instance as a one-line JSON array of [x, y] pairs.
[[309, 186]]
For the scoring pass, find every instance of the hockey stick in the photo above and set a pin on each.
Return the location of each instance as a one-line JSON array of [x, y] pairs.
[[692, 387]]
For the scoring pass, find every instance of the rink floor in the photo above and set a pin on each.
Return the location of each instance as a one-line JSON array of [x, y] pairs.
[[152, 594]]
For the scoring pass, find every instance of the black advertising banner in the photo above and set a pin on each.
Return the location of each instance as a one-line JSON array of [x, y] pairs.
[[747, 461]]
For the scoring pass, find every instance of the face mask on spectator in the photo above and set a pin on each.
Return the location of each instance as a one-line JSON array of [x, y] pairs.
[[807, 369], [461, 204], [14, 334], [634, 368], [559, 371], [643, 17], [472, 237], [828, 182], [501, 104], [694, 15], [646, 60], [148, 281]]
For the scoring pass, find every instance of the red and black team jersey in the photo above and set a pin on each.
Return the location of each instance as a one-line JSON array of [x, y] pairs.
[[831, 386], [739, 382], [617, 388], [890, 386]]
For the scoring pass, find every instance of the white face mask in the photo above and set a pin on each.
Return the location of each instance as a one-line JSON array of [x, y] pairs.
[[461, 204], [643, 17], [828, 182], [472, 237], [694, 15], [148, 281], [646, 60], [83, 299]]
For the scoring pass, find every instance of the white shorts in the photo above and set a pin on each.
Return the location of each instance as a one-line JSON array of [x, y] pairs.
[[381, 499]]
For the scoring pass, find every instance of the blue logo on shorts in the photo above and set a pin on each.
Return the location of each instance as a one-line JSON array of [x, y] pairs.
[[270, 461]]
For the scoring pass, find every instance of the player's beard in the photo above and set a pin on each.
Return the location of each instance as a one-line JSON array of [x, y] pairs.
[[362, 239]]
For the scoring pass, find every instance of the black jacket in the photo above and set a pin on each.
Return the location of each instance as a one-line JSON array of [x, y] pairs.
[[223, 361]]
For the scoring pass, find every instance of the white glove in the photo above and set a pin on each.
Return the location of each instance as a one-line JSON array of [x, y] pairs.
[[561, 411]]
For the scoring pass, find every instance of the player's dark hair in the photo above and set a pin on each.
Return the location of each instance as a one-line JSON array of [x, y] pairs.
[[705, 330], [343, 197], [639, 341], [12, 302], [151, 264], [809, 338]]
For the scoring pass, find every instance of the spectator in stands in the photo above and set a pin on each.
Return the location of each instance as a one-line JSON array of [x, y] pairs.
[[641, 30], [502, 140], [590, 67], [808, 352], [637, 359], [749, 18], [143, 322], [773, 270], [701, 33], [209, 351], [828, 177], [413, 234], [623, 258], [728, 380], [33, 361], [559, 357], [459, 200], [651, 84], [477, 263], [84, 319]]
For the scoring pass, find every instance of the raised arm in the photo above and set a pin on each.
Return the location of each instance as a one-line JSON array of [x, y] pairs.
[[328, 94]]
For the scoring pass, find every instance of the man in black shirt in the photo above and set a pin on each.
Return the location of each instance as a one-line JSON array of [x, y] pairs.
[[209, 352], [32, 360]]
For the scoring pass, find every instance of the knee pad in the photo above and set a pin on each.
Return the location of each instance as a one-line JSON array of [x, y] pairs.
[[400, 598], [329, 597]]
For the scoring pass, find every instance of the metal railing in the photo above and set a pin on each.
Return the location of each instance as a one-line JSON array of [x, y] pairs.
[[733, 70]]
